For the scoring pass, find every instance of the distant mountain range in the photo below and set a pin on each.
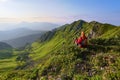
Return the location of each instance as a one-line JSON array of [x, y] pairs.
[[22, 41], [5, 50], [18, 35], [42, 26], [5, 46]]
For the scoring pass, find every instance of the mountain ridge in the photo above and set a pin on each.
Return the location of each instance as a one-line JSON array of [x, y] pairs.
[[6, 35], [55, 56], [24, 40]]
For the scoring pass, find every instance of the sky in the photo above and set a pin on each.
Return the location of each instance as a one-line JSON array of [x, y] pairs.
[[59, 11]]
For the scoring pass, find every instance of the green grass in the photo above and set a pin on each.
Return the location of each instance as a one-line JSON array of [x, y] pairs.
[[111, 33], [59, 56], [41, 49], [8, 64]]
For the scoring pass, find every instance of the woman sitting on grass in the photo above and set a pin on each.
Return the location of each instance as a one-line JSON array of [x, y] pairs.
[[82, 40]]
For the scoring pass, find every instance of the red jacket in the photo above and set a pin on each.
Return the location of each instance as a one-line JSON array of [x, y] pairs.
[[80, 40]]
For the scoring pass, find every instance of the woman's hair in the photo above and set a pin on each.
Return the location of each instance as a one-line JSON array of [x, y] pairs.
[[83, 35]]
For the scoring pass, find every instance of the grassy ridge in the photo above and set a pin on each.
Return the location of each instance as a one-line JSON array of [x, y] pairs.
[[56, 56], [66, 34]]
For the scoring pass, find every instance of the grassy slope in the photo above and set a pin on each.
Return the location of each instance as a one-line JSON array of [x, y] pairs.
[[7, 58], [41, 49], [9, 63], [65, 58], [61, 51], [68, 34]]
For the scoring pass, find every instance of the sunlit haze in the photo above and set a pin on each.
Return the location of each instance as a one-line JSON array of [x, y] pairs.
[[59, 11]]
